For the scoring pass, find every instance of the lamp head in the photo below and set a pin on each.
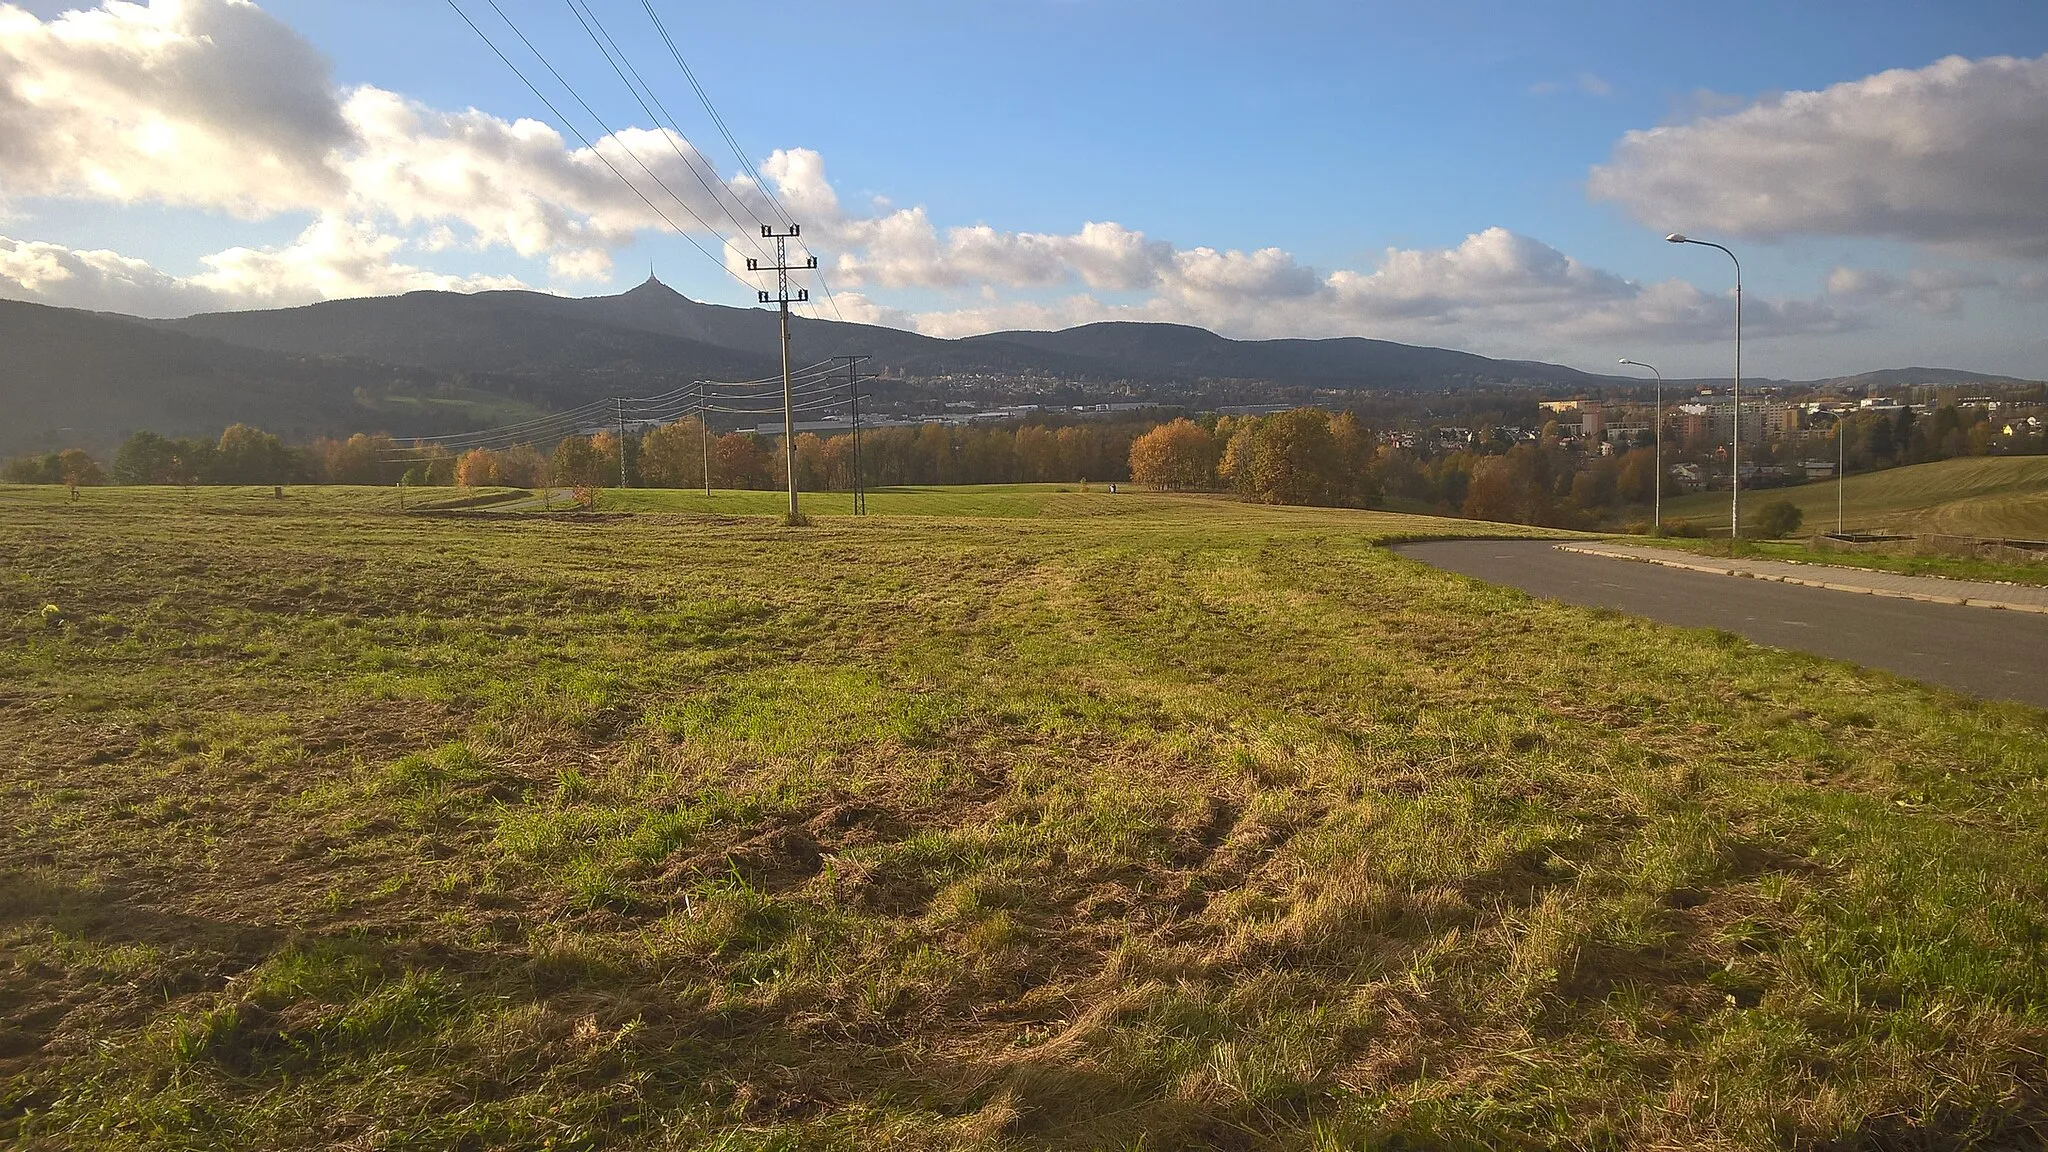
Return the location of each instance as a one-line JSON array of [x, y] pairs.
[[1677, 238]]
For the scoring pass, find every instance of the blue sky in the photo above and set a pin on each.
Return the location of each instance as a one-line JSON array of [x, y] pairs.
[[1462, 138]]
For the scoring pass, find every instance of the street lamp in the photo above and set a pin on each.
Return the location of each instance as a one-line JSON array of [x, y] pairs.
[[1841, 469], [1735, 445], [1657, 505]]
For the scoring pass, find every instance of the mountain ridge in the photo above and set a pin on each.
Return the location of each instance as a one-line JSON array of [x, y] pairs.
[[430, 362]]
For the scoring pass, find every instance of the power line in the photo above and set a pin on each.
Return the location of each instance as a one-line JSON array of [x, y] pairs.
[[738, 152], [585, 140], [808, 383], [608, 130], [621, 65]]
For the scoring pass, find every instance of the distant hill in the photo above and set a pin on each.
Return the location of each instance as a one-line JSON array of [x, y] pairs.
[[657, 337], [574, 349], [1174, 350], [1903, 377], [431, 362]]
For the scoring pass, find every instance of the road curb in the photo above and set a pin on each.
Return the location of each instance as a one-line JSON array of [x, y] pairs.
[[1865, 590]]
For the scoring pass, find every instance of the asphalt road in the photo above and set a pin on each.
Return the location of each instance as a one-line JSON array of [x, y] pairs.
[[1980, 651]]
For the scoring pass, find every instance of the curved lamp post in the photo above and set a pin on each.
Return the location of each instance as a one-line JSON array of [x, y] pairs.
[[1657, 505], [1735, 446]]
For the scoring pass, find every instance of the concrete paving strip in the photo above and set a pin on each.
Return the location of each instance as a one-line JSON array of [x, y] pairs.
[[1867, 582]]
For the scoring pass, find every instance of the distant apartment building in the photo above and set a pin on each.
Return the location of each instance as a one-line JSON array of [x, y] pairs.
[[1714, 422], [1692, 423]]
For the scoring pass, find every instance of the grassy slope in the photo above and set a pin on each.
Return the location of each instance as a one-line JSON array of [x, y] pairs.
[[1204, 824], [1977, 496], [985, 500], [1949, 567]]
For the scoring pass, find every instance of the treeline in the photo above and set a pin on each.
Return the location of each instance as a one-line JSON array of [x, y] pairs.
[[1305, 456], [675, 456], [670, 456], [1874, 441], [1309, 456]]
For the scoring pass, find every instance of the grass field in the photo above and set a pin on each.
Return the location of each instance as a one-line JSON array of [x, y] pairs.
[[1947, 567], [1988, 496], [986, 500], [1128, 822]]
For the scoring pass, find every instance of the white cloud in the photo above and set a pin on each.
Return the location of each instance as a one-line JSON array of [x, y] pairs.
[[106, 281], [1935, 291], [903, 249], [1954, 154], [214, 104], [1496, 288], [332, 258], [206, 103]]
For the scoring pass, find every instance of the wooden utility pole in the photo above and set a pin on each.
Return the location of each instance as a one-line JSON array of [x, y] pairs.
[[783, 298]]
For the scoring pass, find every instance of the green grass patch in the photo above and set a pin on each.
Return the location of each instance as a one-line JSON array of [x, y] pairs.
[[1981, 496], [1001, 818], [1950, 567]]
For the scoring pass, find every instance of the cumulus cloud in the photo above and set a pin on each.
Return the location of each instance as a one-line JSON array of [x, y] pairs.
[[1954, 154], [105, 281], [1494, 284], [1934, 291], [332, 258], [207, 103], [903, 249], [215, 104]]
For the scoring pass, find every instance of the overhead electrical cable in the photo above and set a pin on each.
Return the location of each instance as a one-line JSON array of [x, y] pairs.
[[731, 142], [622, 65], [585, 140], [615, 138], [808, 383], [584, 412]]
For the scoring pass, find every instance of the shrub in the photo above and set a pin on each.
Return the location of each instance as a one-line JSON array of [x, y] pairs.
[[1778, 519]]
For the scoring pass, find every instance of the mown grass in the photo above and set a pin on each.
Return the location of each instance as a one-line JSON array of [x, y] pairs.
[[1145, 824], [1949, 567], [1984, 496], [1005, 501]]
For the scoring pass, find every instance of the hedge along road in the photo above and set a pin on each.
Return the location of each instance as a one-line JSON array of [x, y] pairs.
[[1980, 651]]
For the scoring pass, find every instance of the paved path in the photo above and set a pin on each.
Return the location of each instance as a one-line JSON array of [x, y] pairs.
[[553, 500], [1870, 582], [2000, 655]]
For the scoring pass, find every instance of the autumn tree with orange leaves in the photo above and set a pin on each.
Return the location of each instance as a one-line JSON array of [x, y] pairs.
[[1177, 456]]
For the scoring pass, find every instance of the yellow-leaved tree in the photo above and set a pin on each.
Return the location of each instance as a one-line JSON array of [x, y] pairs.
[[1177, 456]]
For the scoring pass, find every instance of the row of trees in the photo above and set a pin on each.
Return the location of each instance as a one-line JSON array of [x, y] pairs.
[[71, 466], [1308, 456], [670, 456], [1304, 456], [673, 456], [242, 455]]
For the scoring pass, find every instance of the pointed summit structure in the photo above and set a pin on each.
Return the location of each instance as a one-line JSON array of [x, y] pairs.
[[653, 289]]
